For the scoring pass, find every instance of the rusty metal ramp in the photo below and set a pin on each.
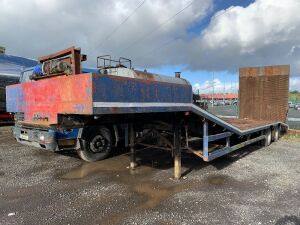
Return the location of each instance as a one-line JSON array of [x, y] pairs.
[[237, 126], [264, 92], [263, 99]]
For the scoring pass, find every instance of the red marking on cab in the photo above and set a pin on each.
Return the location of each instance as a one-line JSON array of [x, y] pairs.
[[46, 98]]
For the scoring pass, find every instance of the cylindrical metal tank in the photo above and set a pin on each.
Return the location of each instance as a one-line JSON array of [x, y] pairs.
[[122, 90], [125, 72]]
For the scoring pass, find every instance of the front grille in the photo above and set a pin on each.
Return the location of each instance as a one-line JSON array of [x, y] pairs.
[[19, 116]]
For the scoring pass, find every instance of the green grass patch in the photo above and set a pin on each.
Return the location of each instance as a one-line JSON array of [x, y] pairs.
[[291, 137], [294, 96]]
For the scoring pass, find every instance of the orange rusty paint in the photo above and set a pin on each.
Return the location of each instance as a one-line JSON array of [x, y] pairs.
[[263, 94], [265, 71], [44, 99], [144, 75]]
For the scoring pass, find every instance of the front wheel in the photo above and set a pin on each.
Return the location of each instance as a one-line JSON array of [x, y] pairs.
[[96, 144]]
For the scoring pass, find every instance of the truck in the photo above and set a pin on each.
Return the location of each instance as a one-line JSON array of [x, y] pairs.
[[10, 69], [92, 113]]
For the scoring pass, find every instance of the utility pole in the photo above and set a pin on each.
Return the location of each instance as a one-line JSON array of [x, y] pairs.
[[2, 50], [213, 91], [224, 94]]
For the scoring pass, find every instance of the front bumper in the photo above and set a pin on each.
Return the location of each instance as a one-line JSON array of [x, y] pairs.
[[38, 138]]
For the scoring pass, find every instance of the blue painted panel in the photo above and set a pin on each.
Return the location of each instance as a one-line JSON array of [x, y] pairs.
[[123, 110], [13, 65], [14, 99], [123, 89], [66, 134]]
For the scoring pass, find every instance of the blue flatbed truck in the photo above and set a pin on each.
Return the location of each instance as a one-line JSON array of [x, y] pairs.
[[93, 112]]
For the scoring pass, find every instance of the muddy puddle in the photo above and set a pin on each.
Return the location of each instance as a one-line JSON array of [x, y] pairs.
[[141, 182], [111, 165], [217, 180], [138, 180]]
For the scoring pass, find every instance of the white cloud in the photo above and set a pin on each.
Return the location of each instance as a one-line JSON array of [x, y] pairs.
[[215, 86], [32, 28], [264, 33], [295, 84]]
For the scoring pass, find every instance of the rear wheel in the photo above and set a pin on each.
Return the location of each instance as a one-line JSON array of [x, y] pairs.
[[96, 144], [275, 134], [267, 141]]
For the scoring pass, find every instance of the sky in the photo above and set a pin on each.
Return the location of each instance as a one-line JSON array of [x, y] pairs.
[[207, 40]]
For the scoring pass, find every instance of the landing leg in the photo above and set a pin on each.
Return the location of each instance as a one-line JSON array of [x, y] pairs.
[[177, 154], [132, 149]]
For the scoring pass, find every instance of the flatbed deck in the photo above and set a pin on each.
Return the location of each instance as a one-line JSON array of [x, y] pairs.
[[236, 125], [246, 124]]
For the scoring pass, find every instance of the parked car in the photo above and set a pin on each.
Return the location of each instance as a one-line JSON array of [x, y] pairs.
[[222, 103], [235, 102], [291, 105], [227, 102], [297, 106]]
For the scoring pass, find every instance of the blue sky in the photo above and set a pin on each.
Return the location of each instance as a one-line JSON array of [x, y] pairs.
[[197, 76], [197, 27]]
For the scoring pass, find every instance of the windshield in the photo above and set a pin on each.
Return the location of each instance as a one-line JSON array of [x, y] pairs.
[[25, 75]]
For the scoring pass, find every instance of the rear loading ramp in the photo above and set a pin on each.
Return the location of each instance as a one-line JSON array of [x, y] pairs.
[[264, 92], [238, 126], [244, 131]]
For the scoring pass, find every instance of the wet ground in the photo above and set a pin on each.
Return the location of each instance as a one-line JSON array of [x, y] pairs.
[[251, 186]]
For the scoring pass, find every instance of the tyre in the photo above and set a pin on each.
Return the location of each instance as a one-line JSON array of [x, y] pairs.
[[96, 144], [275, 134], [267, 141]]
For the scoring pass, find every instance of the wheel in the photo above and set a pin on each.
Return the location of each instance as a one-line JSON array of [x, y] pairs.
[[96, 144], [267, 141], [275, 135]]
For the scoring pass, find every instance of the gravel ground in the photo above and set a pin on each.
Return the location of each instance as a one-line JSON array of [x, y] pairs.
[[251, 186]]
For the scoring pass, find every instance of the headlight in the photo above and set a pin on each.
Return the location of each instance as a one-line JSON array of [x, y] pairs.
[[42, 138]]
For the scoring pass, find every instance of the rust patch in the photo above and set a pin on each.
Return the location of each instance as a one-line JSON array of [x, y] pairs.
[[245, 124], [114, 109], [265, 71], [144, 75], [294, 132], [263, 93]]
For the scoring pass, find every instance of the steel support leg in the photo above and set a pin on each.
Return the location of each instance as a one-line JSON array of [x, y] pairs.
[[177, 153], [205, 141], [228, 142], [132, 149]]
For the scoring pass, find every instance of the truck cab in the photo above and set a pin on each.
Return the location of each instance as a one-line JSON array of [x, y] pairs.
[[54, 139]]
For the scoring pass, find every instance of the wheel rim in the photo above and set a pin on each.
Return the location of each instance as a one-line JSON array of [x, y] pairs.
[[98, 144], [276, 135], [268, 138]]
